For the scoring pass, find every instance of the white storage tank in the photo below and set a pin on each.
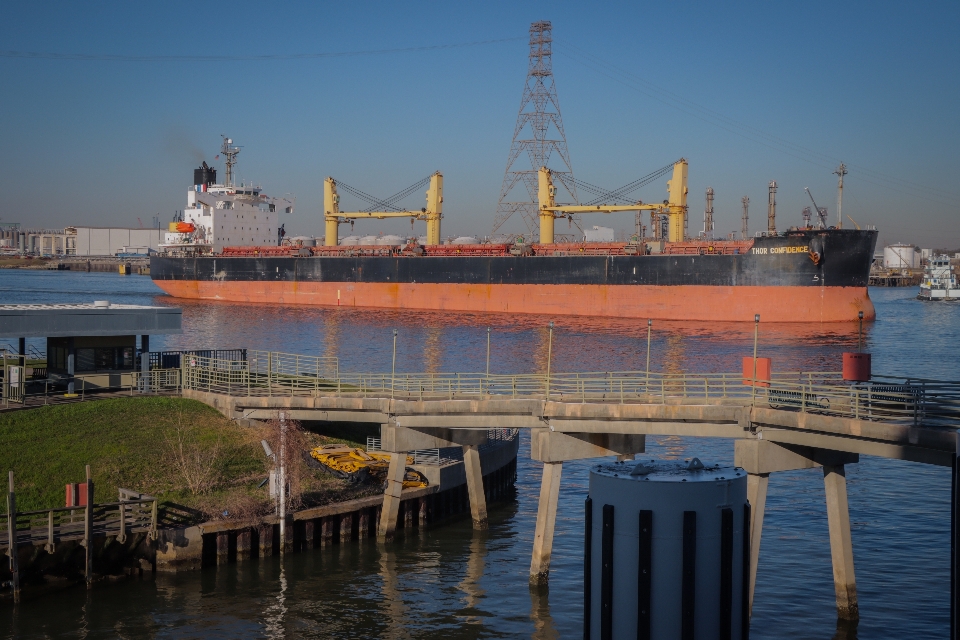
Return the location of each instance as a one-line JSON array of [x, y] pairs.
[[598, 234], [466, 240], [901, 256], [350, 241], [390, 241], [367, 240], [666, 551], [302, 241]]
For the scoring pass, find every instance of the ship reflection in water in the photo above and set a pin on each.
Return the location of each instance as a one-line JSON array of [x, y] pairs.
[[455, 341]]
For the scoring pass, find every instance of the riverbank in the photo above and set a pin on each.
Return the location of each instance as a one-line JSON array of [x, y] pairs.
[[104, 264], [178, 450]]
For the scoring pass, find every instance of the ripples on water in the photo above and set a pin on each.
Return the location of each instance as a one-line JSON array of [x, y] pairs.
[[453, 583]]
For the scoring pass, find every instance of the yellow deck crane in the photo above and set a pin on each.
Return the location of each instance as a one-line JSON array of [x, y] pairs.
[[675, 206], [432, 213]]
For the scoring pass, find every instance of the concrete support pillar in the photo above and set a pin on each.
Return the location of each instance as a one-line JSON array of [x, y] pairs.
[[546, 519], [478, 500], [757, 497], [841, 543], [423, 512], [391, 497]]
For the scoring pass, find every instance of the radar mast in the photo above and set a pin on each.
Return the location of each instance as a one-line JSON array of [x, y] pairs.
[[230, 158]]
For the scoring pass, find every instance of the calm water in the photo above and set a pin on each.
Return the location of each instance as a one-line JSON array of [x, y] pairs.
[[451, 582]]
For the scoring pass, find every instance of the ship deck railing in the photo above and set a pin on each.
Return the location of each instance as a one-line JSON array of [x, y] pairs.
[[890, 399]]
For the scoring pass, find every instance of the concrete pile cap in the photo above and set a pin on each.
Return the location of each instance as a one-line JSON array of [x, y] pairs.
[[691, 470]]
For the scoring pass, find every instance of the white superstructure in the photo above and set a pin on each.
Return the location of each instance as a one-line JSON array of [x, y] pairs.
[[226, 215], [939, 280]]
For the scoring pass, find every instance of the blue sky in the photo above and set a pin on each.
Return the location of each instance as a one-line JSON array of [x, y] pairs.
[[748, 92]]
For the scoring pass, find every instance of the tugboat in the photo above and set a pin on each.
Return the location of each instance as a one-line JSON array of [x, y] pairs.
[[939, 281]]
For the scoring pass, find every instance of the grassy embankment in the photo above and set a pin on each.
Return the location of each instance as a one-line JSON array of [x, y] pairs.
[[179, 450]]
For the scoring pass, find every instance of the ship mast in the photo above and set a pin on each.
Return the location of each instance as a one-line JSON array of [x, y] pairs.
[[230, 158], [841, 171]]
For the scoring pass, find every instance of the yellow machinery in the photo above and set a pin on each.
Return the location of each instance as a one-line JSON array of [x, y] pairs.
[[432, 213], [356, 465], [675, 206]]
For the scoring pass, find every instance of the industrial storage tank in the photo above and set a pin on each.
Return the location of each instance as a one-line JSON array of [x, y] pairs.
[[598, 234], [390, 241], [465, 240], [666, 551], [367, 240], [350, 241], [303, 241], [901, 256]]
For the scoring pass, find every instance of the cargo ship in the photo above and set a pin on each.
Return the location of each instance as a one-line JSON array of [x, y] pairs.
[[223, 249]]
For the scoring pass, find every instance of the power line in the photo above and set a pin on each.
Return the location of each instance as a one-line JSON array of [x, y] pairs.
[[753, 134], [97, 57]]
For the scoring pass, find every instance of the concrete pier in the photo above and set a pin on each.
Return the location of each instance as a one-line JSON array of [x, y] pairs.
[[478, 500], [841, 544], [546, 520], [391, 496]]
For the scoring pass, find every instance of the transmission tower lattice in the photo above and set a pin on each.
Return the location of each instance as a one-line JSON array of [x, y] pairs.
[[534, 136]]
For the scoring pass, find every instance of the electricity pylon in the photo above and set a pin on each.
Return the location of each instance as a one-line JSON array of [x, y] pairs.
[[535, 138]]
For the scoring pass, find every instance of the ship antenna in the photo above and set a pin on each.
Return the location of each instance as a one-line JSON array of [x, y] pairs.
[[841, 171], [230, 158]]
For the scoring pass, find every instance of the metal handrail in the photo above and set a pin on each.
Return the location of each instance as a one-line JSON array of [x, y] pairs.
[[887, 399]]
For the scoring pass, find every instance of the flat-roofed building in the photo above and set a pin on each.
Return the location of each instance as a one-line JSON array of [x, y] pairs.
[[94, 344]]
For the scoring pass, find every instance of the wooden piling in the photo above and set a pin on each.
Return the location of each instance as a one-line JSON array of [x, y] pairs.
[[308, 534], [266, 540], [12, 533], [363, 529], [223, 547], [88, 531], [326, 531], [244, 539]]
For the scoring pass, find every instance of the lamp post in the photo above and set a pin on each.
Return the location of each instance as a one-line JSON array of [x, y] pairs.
[[756, 334], [649, 327], [393, 367], [549, 357], [488, 352]]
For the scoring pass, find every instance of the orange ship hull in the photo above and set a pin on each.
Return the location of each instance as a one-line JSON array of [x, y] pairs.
[[688, 302]]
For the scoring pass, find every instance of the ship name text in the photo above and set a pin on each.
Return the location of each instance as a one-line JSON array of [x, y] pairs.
[[766, 250]]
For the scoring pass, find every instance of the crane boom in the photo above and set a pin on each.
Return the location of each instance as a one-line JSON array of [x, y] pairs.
[[821, 213]]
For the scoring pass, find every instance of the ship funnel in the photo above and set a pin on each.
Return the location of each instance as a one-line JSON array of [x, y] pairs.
[[204, 175]]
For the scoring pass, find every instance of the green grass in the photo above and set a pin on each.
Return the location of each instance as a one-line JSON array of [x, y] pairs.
[[130, 443], [125, 442]]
